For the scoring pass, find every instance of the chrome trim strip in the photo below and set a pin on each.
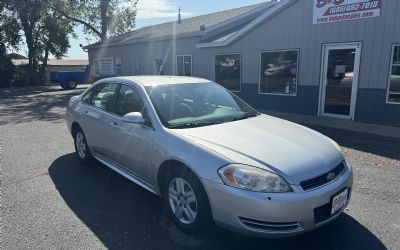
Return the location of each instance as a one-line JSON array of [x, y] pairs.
[[126, 174], [270, 225]]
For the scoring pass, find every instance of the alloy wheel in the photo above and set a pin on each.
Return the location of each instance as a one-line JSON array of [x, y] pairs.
[[182, 200], [80, 144]]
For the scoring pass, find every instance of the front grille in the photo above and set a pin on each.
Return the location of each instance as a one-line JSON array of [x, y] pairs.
[[323, 179], [269, 226]]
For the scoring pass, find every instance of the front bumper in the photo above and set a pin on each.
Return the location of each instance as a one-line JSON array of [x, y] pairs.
[[275, 214]]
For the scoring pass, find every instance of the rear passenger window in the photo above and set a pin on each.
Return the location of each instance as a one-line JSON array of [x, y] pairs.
[[103, 96], [128, 101]]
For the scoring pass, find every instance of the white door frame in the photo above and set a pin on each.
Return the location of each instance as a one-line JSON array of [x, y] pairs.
[[323, 78]]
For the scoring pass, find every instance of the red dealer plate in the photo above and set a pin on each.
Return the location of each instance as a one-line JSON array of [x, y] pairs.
[[339, 201]]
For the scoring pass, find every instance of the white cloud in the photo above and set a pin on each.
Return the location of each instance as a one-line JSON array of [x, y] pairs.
[[152, 9]]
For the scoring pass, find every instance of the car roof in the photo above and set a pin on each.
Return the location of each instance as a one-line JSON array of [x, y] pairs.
[[160, 80]]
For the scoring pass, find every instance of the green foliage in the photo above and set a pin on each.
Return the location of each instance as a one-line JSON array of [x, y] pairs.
[[102, 18], [7, 71], [7, 68], [45, 31], [55, 35], [45, 26]]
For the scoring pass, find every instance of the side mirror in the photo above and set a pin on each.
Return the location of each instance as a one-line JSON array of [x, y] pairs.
[[133, 117]]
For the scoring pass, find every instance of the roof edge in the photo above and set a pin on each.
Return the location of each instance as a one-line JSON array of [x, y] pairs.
[[161, 38], [275, 9], [222, 24], [211, 28]]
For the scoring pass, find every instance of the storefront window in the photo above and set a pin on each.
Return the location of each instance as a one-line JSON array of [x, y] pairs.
[[96, 70], [136, 65], [227, 71], [118, 66], [184, 65], [279, 72], [394, 79]]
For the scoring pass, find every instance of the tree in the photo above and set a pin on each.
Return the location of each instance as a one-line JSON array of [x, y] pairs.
[[28, 14], [103, 18], [54, 38], [8, 37], [44, 31]]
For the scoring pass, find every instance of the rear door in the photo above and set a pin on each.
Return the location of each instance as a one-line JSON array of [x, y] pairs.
[[135, 141], [100, 120]]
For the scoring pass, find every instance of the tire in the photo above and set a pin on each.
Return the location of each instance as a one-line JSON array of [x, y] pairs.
[[188, 206], [71, 83], [63, 86], [81, 147]]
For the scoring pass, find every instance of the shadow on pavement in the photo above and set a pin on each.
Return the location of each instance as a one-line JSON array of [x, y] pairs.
[[123, 215], [26, 105]]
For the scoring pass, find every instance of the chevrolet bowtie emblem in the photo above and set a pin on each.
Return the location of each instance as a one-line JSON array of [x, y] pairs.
[[330, 176]]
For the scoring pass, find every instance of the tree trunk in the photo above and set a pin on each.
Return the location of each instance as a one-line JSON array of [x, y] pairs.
[[104, 5], [43, 68], [32, 59], [33, 63]]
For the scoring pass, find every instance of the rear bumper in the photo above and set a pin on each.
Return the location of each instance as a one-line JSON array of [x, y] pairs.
[[275, 215]]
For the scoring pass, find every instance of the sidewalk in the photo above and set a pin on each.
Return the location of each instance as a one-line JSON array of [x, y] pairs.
[[337, 123]]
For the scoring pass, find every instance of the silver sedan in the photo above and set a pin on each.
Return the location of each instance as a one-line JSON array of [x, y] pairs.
[[210, 155]]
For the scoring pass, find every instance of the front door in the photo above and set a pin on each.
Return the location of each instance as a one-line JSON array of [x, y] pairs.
[[135, 141], [339, 79]]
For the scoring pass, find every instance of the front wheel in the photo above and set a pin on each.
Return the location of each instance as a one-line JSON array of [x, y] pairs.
[[81, 147], [187, 201]]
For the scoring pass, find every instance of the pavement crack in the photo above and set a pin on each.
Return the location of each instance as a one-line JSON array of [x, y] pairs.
[[27, 178]]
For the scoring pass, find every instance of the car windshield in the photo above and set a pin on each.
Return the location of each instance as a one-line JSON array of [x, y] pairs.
[[197, 104]]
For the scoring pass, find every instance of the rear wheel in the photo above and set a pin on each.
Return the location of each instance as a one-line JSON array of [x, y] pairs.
[[187, 201], [81, 147], [71, 84]]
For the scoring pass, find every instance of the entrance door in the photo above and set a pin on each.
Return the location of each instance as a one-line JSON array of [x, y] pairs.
[[339, 79]]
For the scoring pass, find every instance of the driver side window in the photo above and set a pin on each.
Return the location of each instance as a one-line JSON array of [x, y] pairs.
[[129, 100]]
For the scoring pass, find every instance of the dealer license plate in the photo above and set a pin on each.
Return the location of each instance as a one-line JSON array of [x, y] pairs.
[[339, 201]]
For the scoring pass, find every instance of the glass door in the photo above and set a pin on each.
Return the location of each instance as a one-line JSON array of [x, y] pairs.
[[340, 80]]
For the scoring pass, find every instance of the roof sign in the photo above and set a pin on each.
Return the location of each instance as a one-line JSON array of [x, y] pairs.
[[326, 11]]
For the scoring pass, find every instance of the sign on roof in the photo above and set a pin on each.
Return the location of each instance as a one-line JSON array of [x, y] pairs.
[[326, 11]]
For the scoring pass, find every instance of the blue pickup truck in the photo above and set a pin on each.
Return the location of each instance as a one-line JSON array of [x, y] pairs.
[[70, 79]]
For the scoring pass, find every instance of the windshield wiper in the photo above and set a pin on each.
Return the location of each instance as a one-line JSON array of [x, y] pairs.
[[193, 124], [245, 116]]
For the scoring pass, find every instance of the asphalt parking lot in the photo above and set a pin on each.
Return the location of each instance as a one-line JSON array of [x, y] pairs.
[[50, 201]]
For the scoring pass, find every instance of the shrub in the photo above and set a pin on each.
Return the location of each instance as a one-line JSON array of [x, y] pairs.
[[7, 71]]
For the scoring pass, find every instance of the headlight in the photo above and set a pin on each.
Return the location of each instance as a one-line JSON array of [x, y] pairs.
[[335, 144], [254, 179]]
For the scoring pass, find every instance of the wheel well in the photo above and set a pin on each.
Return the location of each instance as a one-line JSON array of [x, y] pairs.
[[169, 166], [74, 128]]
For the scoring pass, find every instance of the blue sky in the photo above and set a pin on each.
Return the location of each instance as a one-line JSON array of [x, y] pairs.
[[159, 11]]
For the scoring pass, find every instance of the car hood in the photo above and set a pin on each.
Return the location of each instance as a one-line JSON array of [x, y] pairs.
[[293, 151]]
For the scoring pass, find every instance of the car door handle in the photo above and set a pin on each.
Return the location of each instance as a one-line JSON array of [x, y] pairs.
[[86, 111], [115, 124]]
